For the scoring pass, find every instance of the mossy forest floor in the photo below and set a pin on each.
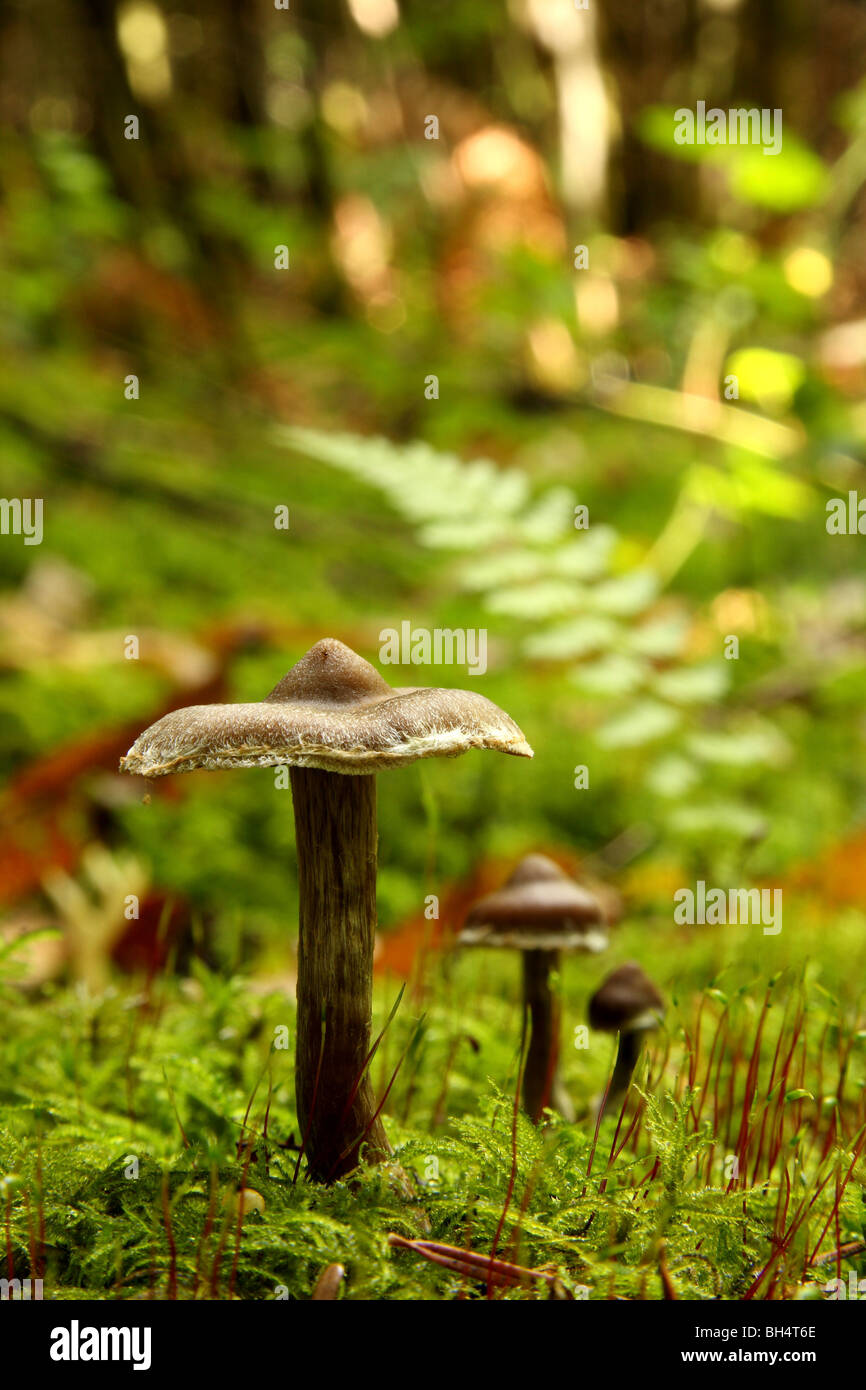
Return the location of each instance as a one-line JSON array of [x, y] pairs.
[[129, 1121]]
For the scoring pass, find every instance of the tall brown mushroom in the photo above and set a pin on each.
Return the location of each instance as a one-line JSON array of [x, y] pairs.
[[628, 1003], [543, 913], [334, 722]]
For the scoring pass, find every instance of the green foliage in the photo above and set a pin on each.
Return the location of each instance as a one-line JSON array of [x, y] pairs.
[[785, 182], [129, 1123], [558, 591]]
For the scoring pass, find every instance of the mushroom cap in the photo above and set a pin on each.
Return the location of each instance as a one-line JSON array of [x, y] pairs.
[[332, 711], [626, 1001], [538, 908]]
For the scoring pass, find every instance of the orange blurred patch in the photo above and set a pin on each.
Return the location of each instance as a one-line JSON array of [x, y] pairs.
[[838, 876], [125, 287], [500, 199]]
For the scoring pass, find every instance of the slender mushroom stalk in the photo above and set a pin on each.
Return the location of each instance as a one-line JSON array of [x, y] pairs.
[[542, 1083], [628, 1003], [627, 1053], [335, 963], [543, 913], [334, 722]]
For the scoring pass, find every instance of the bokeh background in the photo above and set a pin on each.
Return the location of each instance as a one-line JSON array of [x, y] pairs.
[[605, 386], [335, 276]]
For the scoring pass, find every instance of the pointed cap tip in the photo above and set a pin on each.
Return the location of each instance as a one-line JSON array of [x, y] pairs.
[[539, 906], [330, 673]]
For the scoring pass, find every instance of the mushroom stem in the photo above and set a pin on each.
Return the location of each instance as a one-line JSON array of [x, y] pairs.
[[335, 830], [542, 1085], [626, 1061]]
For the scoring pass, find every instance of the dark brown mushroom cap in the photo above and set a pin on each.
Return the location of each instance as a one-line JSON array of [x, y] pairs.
[[332, 711], [538, 908], [626, 1001]]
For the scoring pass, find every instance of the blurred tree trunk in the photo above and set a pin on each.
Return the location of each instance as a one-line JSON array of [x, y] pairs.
[[127, 161], [780, 65], [320, 30], [645, 48], [245, 102], [155, 175]]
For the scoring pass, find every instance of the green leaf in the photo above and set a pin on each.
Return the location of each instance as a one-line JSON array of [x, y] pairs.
[[761, 744], [575, 638], [793, 179], [616, 674], [731, 818], [503, 567], [465, 533], [640, 723], [672, 776], [785, 182], [626, 594], [548, 519], [692, 684], [655, 125], [659, 637], [586, 558], [769, 378], [545, 599]]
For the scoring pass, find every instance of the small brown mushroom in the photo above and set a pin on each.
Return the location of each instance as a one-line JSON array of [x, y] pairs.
[[543, 913], [327, 1289], [333, 714], [628, 1003]]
